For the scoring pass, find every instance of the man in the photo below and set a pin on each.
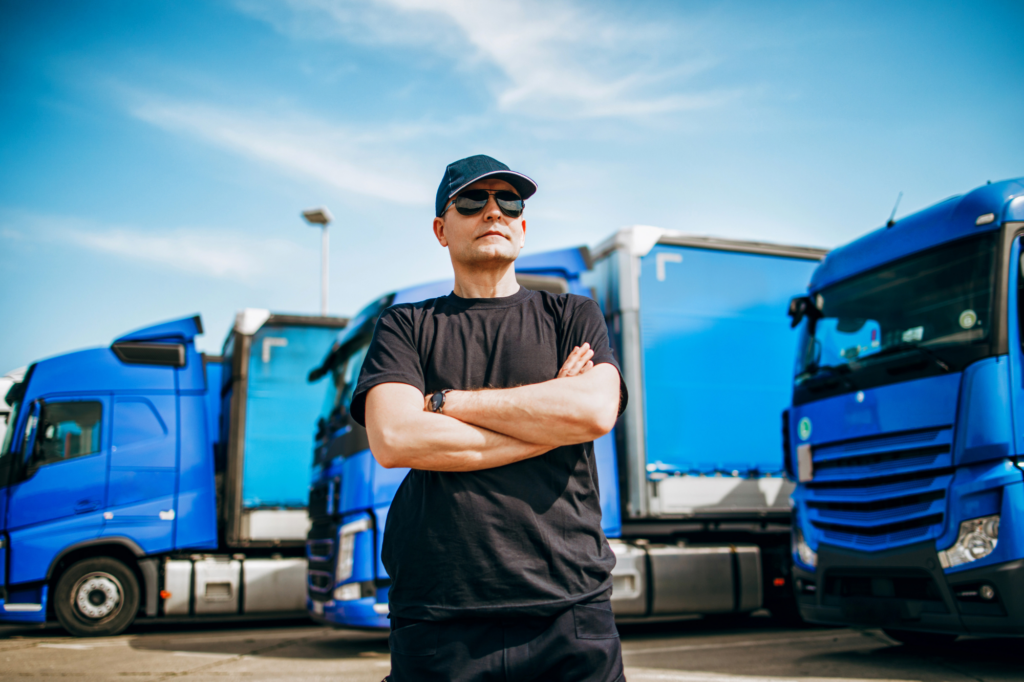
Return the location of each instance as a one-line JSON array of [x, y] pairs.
[[492, 396]]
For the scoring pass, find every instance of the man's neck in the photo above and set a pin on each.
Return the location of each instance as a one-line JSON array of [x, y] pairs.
[[490, 283]]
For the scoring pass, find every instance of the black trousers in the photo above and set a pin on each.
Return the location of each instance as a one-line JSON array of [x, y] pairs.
[[579, 645]]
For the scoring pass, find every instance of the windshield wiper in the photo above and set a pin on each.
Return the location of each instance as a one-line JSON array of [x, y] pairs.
[[817, 378], [907, 348]]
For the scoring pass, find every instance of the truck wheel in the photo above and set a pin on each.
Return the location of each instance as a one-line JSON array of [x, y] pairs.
[[786, 613], [921, 640], [96, 597]]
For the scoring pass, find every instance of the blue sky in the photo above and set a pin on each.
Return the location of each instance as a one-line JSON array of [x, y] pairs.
[[155, 156]]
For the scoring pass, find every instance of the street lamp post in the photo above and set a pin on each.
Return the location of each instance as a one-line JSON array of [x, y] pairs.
[[322, 217]]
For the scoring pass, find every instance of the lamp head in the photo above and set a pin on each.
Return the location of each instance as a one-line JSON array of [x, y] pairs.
[[318, 216]]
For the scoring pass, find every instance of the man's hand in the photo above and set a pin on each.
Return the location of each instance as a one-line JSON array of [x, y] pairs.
[[578, 362]]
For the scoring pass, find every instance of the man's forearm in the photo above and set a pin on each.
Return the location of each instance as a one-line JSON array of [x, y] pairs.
[[557, 412], [435, 442]]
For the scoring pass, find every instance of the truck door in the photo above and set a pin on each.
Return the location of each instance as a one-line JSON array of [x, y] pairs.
[[140, 501], [58, 493], [1015, 328]]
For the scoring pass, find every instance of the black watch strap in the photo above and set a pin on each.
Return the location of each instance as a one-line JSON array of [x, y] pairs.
[[437, 400]]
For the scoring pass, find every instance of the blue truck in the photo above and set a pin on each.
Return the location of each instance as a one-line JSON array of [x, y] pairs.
[[907, 425], [693, 492], [148, 479]]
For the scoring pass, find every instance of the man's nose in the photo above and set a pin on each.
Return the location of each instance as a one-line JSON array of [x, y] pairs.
[[491, 210]]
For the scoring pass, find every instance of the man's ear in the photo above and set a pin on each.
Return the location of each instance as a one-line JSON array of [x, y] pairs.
[[439, 232], [522, 239]]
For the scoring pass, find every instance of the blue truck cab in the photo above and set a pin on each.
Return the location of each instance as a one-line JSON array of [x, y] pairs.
[[132, 483], [907, 425], [692, 486]]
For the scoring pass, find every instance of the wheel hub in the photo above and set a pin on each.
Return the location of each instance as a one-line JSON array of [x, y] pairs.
[[97, 595]]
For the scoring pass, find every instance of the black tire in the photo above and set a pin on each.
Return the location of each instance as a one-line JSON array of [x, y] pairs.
[[786, 613], [96, 597], [921, 640]]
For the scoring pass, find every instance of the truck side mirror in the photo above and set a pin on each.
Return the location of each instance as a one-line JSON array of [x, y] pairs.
[[801, 307]]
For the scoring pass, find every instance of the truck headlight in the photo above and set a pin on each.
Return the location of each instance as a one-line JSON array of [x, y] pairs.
[[801, 549], [348, 592], [347, 548], [978, 538]]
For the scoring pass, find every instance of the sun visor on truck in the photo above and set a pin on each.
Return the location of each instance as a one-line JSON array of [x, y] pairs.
[[166, 354]]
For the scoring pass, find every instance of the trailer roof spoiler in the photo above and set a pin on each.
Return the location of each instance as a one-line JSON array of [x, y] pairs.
[[184, 329]]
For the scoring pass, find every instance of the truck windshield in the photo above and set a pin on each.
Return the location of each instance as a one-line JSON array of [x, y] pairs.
[[929, 313], [344, 375]]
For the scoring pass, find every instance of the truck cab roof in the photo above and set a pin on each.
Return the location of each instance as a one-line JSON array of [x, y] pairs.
[[983, 209], [110, 369]]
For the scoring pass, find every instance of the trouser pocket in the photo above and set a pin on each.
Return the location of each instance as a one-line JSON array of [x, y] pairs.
[[595, 621], [419, 639]]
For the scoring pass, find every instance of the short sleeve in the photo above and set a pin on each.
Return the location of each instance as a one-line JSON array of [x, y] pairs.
[[391, 357], [587, 325]]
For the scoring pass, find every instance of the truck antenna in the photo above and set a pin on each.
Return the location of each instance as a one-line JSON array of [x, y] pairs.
[[892, 216]]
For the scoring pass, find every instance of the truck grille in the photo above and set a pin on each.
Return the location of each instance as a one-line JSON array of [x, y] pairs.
[[324, 498], [320, 581], [320, 553], [881, 491]]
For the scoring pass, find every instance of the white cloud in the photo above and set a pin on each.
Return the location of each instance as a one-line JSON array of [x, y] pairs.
[[298, 145], [557, 59], [220, 254]]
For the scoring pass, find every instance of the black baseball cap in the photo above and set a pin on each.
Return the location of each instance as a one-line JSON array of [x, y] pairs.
[[464, 172]]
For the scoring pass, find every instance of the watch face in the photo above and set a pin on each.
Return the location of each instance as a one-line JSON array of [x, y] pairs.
[[436, 401]]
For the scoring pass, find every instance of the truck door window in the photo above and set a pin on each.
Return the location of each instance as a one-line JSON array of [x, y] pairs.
[[67, 430], [5, 452]]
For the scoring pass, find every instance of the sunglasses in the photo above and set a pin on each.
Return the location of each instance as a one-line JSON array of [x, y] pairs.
[[472, 201]]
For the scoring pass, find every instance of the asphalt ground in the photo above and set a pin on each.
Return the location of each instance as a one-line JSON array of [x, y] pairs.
[[752, 650]]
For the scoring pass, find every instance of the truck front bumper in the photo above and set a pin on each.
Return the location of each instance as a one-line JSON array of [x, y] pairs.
[[357, 613], [907, 589]]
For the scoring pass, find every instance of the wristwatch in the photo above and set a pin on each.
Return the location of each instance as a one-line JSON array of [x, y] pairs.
[[437, 400]]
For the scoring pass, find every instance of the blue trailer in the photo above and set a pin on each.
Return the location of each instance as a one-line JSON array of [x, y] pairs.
[[907, 425], [692, 488], [146, 479]]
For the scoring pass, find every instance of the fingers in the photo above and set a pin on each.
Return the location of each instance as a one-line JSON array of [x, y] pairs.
[[571, 365], [568, 367], [577, 361]]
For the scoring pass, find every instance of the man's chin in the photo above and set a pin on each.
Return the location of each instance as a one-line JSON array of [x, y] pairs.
[[489, 256]]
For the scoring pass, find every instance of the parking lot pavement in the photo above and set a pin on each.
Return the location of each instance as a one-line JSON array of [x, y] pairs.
[[754, 650]]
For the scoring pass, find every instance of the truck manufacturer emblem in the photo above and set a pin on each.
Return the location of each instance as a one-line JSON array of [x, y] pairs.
[[968, 319], [804, 428]]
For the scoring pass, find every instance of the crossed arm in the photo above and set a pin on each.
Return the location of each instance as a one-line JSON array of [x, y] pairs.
[[491, 428]]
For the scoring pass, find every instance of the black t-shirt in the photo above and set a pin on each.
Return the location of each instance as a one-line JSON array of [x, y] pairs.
[[521, 539]]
